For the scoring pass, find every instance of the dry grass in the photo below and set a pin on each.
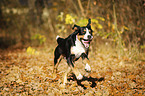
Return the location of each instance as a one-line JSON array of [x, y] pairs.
[[30, 74]]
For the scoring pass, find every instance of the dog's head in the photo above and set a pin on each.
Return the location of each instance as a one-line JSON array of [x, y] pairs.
[[84, 33]]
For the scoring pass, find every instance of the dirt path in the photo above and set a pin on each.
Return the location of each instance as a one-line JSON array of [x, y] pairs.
[[30, 74]]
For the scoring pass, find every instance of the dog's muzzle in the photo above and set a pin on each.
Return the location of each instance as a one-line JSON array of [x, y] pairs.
[[86, 42]]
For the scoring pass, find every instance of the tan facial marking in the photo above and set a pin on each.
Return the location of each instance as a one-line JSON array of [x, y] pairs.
[[80, 36], [75, 28]]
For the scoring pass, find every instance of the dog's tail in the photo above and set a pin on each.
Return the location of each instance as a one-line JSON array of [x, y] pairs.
[[59, 39]]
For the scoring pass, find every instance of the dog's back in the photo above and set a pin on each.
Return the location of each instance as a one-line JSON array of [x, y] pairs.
[[59, 39]]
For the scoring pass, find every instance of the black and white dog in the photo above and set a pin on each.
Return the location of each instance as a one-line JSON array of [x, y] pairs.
[[72, 48]]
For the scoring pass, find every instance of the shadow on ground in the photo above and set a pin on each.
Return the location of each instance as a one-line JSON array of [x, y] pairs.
[[89, 79]]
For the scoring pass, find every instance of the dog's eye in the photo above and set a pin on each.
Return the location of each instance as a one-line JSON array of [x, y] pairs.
[[84, 32], [90, 31]]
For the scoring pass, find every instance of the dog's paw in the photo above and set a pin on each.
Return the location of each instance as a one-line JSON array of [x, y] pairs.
[[88, 68], [80, 77]]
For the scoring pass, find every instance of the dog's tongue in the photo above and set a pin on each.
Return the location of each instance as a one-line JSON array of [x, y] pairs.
[[86, 43]]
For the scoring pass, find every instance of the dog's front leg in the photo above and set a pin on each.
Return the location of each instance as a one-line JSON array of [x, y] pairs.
[[74, 69], [85, 61], [78, 75], [87, 66]]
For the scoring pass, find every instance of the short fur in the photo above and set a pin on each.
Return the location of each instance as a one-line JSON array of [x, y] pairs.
[[73, 47]]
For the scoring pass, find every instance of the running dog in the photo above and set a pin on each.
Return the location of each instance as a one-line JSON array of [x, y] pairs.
[[73, 47]]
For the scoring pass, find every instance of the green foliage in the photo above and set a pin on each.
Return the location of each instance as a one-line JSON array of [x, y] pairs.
[[101, 18], [112, 35], [82, 22], [142, 46], [32, 51], [60, 16], [70, 19], [40, 38], [98, 25], [95, 24]]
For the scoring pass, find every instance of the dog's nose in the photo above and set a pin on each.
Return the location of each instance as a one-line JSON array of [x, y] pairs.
[[89, 36]]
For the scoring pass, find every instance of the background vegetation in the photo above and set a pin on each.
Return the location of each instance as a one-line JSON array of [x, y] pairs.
[[28, 29], [30, 18]]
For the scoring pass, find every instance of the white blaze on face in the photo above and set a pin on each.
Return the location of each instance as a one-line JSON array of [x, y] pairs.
[[86, 42], [87, 34]]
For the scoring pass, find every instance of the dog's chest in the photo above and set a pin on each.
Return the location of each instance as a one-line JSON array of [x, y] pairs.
[[78, 49]]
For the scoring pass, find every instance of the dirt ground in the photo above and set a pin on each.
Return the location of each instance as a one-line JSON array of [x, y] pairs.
[[23, 73]]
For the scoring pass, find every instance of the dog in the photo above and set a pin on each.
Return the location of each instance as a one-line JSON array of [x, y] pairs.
[[72, 48]]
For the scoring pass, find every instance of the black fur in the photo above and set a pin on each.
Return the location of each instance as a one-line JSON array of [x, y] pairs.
[[64, 45]]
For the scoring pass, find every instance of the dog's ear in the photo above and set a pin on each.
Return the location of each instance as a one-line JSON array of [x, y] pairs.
[[76, 27], [89, 24]]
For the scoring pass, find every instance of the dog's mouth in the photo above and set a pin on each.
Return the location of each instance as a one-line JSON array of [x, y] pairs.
[[86, 42]]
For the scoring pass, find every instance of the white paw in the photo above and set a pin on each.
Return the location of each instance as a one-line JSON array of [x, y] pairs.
[[79, 77], [87, 67]]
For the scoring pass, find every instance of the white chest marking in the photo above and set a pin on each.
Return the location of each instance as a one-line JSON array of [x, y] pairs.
[[78, 49]]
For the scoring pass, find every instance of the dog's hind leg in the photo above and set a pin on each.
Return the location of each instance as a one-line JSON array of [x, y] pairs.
[[65, 75], [56, 62]]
